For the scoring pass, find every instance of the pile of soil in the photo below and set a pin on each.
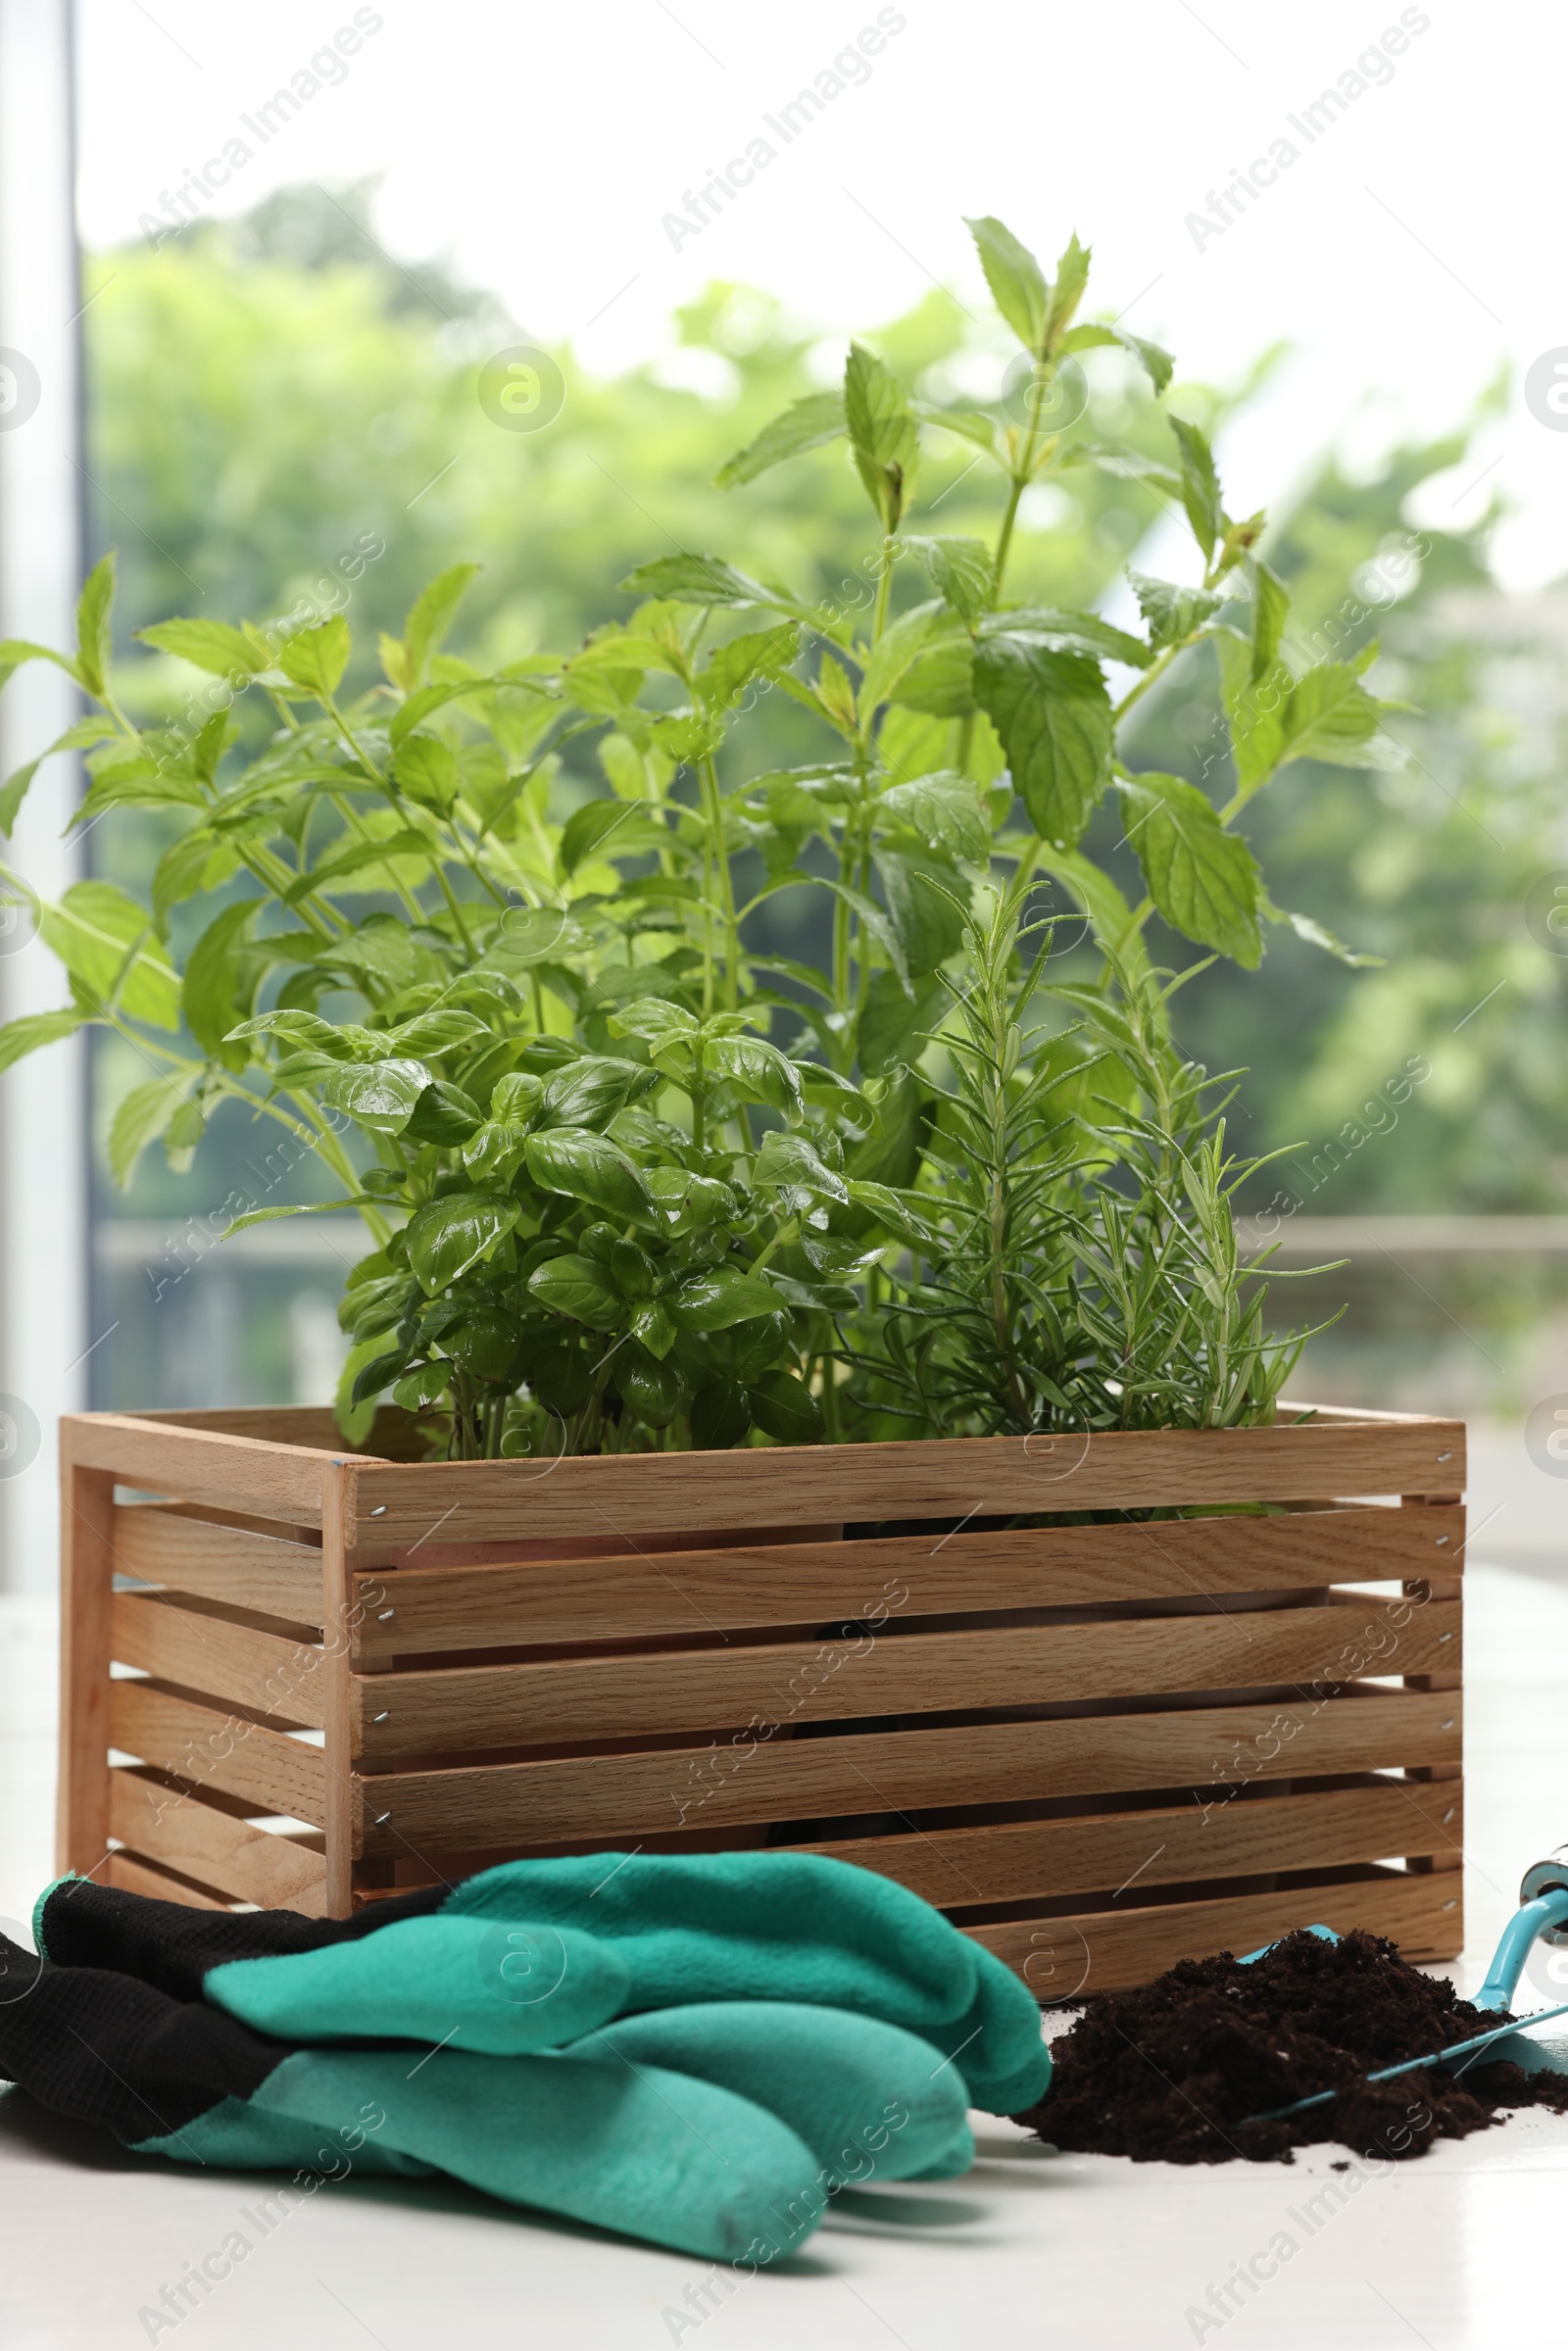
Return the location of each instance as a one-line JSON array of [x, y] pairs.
[[1173, 2072]]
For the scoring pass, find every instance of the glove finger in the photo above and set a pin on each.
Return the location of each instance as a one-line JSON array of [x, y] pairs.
[[790, 1927], [869, 2100], [166, 2077], [77, 1923], [747, 1926], [651, 2153], [466, 1983], [953, 2161], [798, 1926], [999, 2043]]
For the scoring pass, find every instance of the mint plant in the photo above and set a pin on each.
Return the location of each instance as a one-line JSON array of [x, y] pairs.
[[633, 1179]]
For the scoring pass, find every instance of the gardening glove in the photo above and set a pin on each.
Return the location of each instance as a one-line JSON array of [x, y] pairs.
[[719, 2131], [533, 1954]]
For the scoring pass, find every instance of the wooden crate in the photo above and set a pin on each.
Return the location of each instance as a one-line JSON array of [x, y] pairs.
[[297, 1675]]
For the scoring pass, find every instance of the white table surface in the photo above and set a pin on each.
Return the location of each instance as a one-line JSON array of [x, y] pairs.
[[1456, 2251]]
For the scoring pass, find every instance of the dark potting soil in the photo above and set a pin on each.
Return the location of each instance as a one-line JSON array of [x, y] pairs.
[[1172, 2072]]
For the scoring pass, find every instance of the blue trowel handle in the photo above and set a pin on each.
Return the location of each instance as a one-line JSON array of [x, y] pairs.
[[1549, 1910]]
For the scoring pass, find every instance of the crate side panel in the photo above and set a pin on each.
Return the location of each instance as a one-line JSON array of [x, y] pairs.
[[180, 1832], [720, 1787], [245, 1474], [1097, 1852], [231, 1663], [261, 1572], [937, 1478], [464, 1709], [134, 1876], [207, 1747], [464, 1607], [1062, 1958]]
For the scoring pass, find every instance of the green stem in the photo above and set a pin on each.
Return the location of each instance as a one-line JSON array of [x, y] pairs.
[[787, 1232], [849, 860], [275, 878], [699, 1098], [884, 590], [830, 1398], [1020, 483], [358, 826], [1004, 537], [714, 810], [1152, 674], [454, 910]]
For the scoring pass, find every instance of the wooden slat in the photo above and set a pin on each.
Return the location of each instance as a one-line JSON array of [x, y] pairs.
[[787, 1486], [938, 1478], [579, 1798], [182, 1832], [86, 1583], [1062, 1958], [1020, 1861], [338, 1564], [210, 1749], [235, 1473], [435, 1608], [452, 1709], [137, 1877], [396, 1436], [245, 1570], [231, 1663]]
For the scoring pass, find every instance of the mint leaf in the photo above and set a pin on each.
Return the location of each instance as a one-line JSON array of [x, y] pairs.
[[1202, 879], [959, 569], [809, 423], [1330, 716], [26, 1034], [318, 656], [1200, 483], [893, 654], [1271, 605], [1054, 719], [1066, 291], [945, 811], [139, 1119], [1071, 632], [1316, 934], [1155, 363], [703, 580], [95, 643], [1172, 613], [207, 645], [429, 617], [1017, 281], [884, 434], [211, 995]]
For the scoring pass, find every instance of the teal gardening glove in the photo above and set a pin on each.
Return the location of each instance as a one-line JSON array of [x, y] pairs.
[[697, 2050]]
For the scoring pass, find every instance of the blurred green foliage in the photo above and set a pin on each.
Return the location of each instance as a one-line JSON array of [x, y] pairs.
[[270, 399]]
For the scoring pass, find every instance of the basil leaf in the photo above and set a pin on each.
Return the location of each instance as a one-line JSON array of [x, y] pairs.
[[379, 1095], [447, 1237], [592, 1169], [576, 1285], [714, 1302]]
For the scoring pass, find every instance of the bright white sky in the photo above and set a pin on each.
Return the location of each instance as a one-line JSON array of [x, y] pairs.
[[1410, 248]]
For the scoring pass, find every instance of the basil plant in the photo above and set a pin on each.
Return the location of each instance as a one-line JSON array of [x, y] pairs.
[[633, 1179]]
